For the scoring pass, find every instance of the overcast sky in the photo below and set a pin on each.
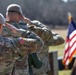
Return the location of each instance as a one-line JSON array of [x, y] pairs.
[[65, 0], [68, 0]]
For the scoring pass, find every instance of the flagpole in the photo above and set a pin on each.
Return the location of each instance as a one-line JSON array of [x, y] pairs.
[[69, 17], [69, 21]]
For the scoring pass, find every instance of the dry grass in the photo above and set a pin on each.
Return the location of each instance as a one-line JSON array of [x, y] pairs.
[[60, 48], [61, 31]]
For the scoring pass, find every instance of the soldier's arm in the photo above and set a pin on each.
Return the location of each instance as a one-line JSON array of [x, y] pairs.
[[37, 24], [57, 40], [13, 28], [54, 38], [32, 35], [32, 23], [31, 45], [26, 20]]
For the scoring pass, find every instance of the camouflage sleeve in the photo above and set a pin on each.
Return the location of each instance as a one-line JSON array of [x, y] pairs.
[[28, 34], [6, 56], [39, 43], [37, 24], [45, 33], [19, 33], [28, 45], [57, 40], [32, 35]]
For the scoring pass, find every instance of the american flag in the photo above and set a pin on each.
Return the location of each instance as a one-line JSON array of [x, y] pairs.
[[21, 40], [70, 47]]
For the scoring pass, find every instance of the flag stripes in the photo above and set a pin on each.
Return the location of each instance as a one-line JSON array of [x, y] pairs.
[[70, 47]]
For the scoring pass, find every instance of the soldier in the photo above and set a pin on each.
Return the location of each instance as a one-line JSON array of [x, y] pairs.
[[14, 14], [51, 39], [12, 48]]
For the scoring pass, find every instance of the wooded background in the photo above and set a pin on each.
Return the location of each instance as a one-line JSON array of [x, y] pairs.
[[52, 12]]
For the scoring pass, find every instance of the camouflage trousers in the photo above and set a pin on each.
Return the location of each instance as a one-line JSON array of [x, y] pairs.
[[35, 70], [20, 66], [45, 67], [9, 71], [43, 55], [20, 71], [5, 69]]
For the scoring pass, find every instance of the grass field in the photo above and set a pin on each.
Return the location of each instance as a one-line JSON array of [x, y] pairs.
[[60, 48]]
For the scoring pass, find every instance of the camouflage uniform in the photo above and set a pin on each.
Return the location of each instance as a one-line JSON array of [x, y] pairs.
[[7, 49], [50, 39], [32, 58], [7, 55], [25, 34], [30, 46], [10, 50]]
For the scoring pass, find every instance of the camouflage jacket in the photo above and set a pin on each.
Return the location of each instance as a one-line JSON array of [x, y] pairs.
[[11, 49], [21, 33], [44, 32], [51, 39], [47, 36], [7, 55]]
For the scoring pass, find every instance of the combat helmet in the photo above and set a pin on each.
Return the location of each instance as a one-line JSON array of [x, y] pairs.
[[2, 19], [14, 8]]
